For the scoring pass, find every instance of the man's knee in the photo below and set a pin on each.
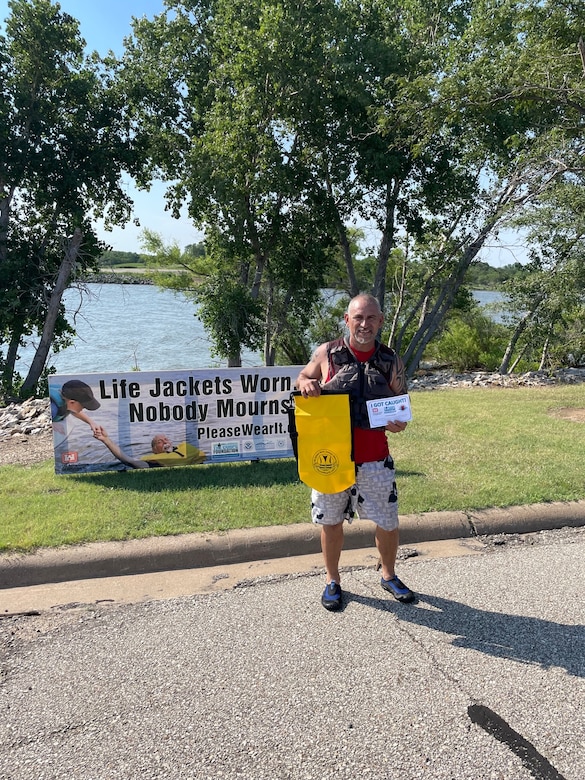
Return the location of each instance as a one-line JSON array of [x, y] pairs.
[[386, 533], [332, 529]]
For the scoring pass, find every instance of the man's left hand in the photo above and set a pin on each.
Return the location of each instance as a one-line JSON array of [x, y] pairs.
[[396, 426]]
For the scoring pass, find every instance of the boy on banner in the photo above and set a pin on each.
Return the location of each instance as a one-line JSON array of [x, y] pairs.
[[366, 370], [73, 398]]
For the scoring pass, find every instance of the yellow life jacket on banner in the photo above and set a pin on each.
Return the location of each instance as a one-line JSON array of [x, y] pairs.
[[323, 427], [183, 454]]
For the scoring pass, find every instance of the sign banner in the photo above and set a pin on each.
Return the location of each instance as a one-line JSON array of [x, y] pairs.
[[112, 422]]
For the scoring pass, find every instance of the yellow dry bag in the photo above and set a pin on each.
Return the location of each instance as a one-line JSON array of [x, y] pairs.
[[324, 442]]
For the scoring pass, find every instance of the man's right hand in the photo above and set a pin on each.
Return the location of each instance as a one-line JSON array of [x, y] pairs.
[[309, 387]]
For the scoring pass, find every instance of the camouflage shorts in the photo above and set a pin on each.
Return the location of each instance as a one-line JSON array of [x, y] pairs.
[[373, 497]]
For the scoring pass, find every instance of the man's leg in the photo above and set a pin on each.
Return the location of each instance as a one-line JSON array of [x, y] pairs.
[[387, 544], [329, 510], [378, 501], [331, 545]]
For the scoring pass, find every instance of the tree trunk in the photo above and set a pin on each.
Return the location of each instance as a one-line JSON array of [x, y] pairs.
[[344, 244], [518, 358], [387, 242], [436, 316], [544, 355], [268, 348], [432, 322], [518, 331], [63, 276], [348, 259], [9, 367], [398, 306]]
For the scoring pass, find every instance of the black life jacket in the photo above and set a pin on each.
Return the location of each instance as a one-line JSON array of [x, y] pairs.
[[367, 381]]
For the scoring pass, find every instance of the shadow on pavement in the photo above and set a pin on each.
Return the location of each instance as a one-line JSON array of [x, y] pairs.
[[516, 637]]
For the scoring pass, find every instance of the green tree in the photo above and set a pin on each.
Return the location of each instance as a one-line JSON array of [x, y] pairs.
[[512, 85], [64, 133], [210, 82], [280, 123], [547, 302]]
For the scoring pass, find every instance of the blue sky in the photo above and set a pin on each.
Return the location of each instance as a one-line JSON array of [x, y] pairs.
[[104, 24]]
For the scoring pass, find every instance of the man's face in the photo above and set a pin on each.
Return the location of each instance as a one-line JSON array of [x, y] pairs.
[[162, 444], [363, 320]]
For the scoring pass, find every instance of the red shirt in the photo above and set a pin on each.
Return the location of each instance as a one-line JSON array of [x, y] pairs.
[[368, 444]]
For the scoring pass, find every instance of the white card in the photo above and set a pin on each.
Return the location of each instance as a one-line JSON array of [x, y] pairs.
[[385, 410]]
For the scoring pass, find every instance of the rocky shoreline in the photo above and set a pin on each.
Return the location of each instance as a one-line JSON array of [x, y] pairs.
[[117, 277], [438, 380], [32, 418]]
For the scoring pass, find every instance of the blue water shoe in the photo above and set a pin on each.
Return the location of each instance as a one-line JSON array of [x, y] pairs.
[[331, 598], [398, 589]]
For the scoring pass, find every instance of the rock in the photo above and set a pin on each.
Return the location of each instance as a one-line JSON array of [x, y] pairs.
[[30, 418], [447, 379]]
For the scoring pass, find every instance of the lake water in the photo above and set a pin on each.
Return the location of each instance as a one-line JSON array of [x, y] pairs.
[[121, 327], [124, 327], [488, 297]]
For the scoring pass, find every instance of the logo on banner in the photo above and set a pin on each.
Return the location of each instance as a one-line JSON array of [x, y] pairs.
[[325, 462], [69, 457]]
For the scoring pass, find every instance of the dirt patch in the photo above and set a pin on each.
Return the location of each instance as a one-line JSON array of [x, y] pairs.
[[569, 413], [23, 450]]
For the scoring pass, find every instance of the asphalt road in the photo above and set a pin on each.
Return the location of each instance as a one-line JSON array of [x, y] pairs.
[[482, 679]]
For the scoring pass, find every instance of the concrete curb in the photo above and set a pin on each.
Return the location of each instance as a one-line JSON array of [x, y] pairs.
[[191, 551]]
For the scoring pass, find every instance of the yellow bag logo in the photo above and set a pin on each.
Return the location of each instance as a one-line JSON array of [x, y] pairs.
[[324, 442], [325, 462]]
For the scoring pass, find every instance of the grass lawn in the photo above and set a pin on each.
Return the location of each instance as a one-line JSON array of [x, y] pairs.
[[465, 449]]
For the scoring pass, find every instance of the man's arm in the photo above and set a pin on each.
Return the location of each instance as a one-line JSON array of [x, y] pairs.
[[102, 436], [398, 386], [397, 382], [309, 380]]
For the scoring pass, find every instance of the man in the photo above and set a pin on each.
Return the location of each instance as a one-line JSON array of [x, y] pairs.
[[161, 443], [161, 446], [349, 365]]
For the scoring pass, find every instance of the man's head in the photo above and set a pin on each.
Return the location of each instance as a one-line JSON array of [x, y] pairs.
[[161, 443], [364, 320]]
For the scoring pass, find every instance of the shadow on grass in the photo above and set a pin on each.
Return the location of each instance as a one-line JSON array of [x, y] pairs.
[[405, 473], [266, 473], [251, 474]]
